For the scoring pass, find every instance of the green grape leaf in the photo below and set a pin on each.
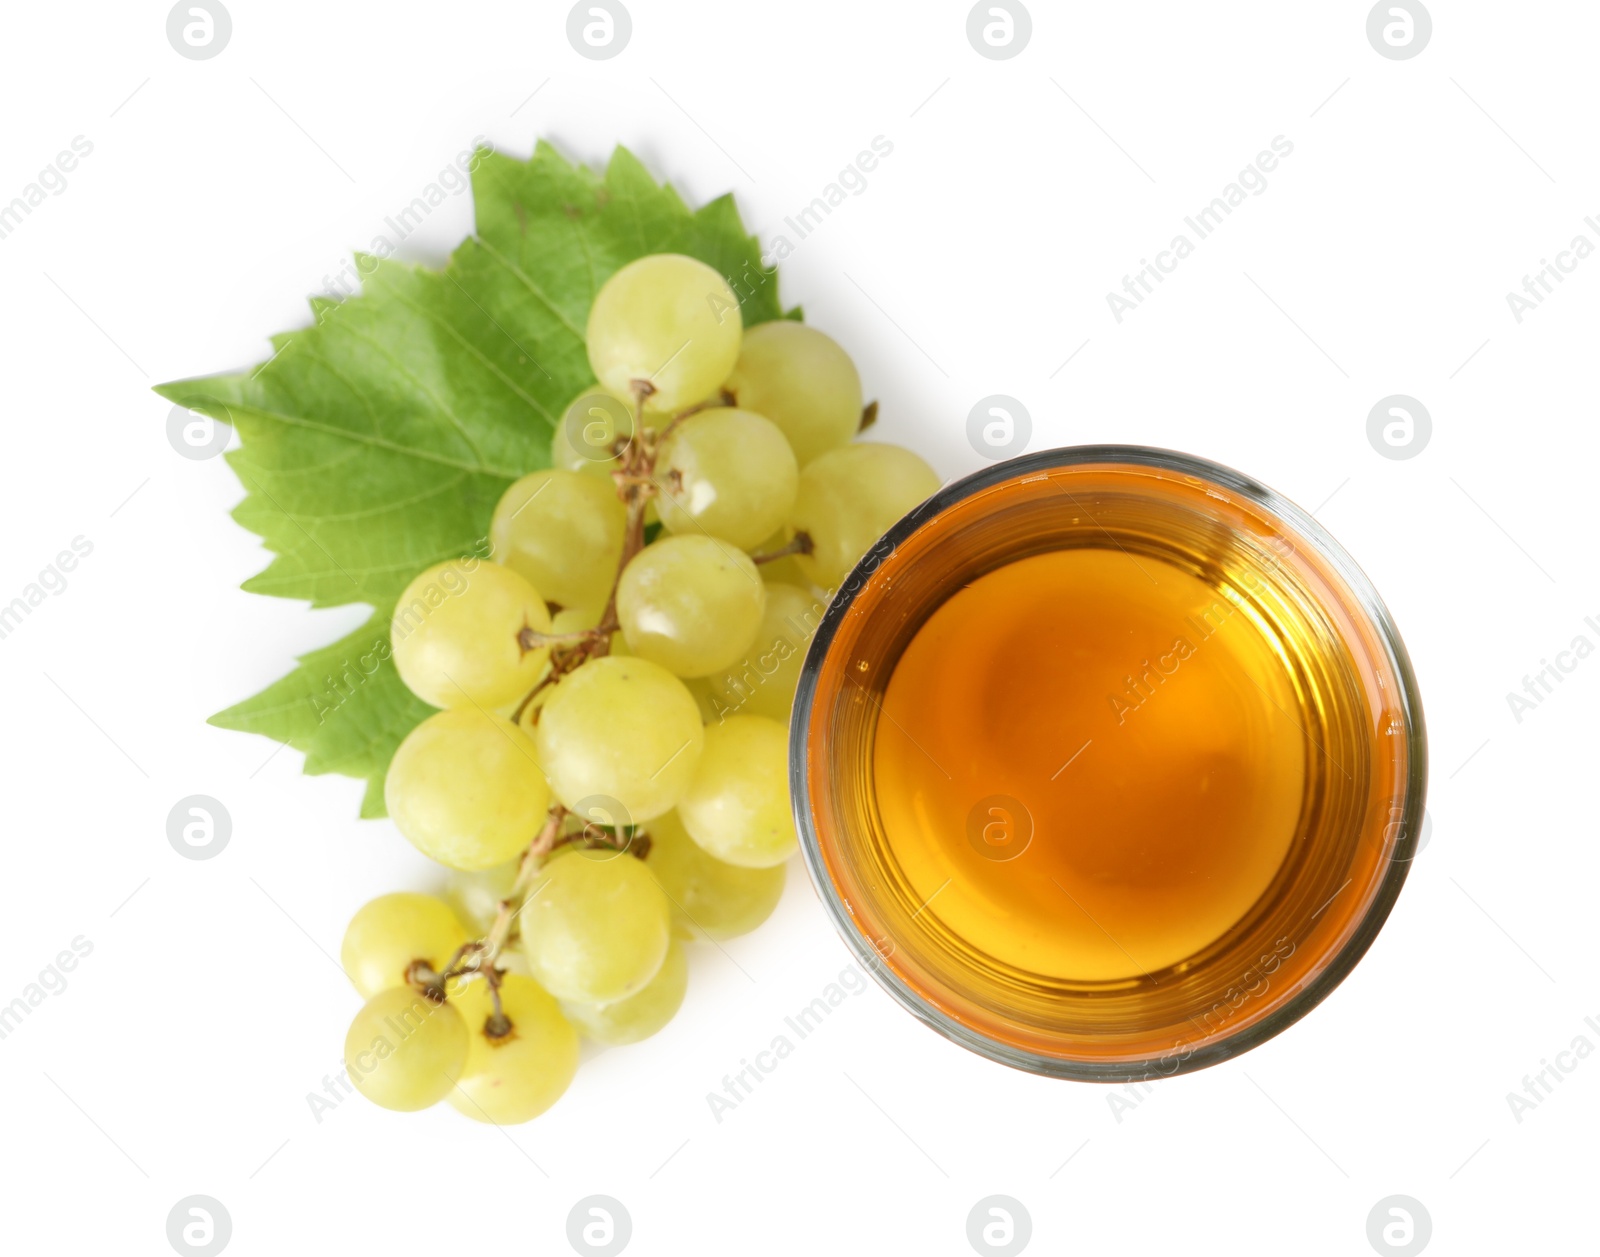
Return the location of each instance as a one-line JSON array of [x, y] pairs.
[[377, 440]]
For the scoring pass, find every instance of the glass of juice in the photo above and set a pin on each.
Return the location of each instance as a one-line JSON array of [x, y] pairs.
[[1108, 762]]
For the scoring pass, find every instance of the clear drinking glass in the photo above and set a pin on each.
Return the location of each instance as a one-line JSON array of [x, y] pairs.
[[941, 948]]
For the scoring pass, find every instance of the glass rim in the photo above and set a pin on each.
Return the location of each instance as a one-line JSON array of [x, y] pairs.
[[1336, 967]]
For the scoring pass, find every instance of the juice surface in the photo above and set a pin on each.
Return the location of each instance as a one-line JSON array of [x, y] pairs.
[[1135, 727]]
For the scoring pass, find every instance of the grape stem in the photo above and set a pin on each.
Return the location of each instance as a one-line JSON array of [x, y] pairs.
[[531, 639], [480, 955], [723, 398], [800, 544], [636, 485]]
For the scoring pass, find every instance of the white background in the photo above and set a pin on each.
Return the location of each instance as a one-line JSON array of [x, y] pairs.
[[179, 1057]]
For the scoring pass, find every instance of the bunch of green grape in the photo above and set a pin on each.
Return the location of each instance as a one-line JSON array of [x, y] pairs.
[[607, 776]]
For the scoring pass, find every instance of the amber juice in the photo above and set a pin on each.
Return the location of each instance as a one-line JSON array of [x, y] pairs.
[[1109, 766]]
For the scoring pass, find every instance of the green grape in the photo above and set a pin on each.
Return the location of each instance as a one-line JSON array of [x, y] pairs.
[[850, 497], [474, 895], [784, 571], [690, 604], [386, 935], [710, 898], [466, 789], [454, 634], [640, 1015], [667, 324], [514, 959], [567, 620], [595, 927], [700, 690], [561, 531], [592, 424], [622, 729], [726, 473], [515, 1078], [737, 804], [801, 380], [404, 1051], [763, 682]]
